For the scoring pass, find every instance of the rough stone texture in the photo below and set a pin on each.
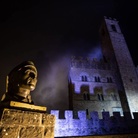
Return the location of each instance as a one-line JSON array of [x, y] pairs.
[[26, 124], [94, 126], [109, 83]]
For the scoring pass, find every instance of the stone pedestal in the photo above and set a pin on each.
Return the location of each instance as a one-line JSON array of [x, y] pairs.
[[21, 120]]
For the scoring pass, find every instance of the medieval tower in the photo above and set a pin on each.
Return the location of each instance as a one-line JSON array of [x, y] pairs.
[[107, 84]]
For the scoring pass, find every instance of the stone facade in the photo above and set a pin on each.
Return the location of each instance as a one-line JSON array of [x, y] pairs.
[[107, 84]]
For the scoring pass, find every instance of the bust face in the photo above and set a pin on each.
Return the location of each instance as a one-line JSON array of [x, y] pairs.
[[27, 78], [20, 82]]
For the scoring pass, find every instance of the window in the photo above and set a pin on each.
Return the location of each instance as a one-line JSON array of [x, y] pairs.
[[114, 97], [87, 112], [84, 78], [86, 96], [100, 97], [109, 79], [97, 79], [118, 109], [113, 28]]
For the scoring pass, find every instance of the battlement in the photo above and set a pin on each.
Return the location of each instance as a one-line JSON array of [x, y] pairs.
[[105, 17], [91, 63], [83, 126]]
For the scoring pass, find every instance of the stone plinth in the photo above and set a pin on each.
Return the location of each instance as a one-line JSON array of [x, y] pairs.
[[19, 123]]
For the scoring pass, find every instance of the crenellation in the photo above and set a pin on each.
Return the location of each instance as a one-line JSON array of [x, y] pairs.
[[81, 62], [83, 126], [82, 115], [68, 115]]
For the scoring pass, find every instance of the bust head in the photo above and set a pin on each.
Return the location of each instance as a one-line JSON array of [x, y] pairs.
[[22, 80]]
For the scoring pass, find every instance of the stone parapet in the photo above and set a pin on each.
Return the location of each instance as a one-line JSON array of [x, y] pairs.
[[94, 126]]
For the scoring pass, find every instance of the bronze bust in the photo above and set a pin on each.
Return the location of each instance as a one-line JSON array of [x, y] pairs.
[[20, 82]]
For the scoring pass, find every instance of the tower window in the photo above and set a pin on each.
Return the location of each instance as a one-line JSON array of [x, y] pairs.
[[113, 28]]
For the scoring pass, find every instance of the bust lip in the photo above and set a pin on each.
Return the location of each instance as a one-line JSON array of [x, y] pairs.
[[30, 86]]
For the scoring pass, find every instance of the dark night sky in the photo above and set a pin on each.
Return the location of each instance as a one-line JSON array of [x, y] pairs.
[[49, 32]]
